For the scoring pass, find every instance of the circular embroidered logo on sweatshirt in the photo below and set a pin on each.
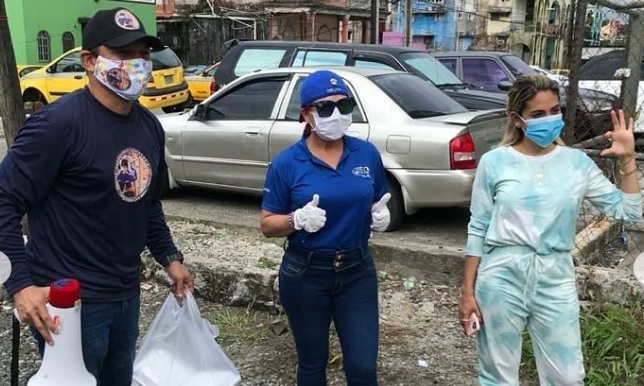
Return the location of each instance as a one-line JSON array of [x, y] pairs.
[[132, 175]]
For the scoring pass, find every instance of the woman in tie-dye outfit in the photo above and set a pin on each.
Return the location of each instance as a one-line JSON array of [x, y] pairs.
[[519, 271]]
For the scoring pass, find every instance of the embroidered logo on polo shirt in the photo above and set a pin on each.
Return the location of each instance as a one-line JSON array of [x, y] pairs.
[[132, 175], [361, 171], [126, 20]]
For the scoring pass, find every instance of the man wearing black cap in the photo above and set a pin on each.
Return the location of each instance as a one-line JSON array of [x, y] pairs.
[[66, 171]]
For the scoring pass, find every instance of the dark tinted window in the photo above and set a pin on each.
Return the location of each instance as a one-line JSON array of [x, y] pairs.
[[449, 63], [164, 59], [483, 73], [602, 67], [70, 63], [418, 99], [517, 66], [251, 101]]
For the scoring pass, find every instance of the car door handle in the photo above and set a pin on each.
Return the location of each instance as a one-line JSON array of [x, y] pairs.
[[79, 77], [253, 130]]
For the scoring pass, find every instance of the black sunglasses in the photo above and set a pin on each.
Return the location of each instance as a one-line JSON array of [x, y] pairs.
[[326, 108]]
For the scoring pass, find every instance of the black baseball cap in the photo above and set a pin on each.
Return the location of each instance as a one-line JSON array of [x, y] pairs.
[[116, 28]]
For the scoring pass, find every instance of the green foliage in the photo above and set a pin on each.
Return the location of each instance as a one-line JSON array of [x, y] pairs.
[[613, 347]]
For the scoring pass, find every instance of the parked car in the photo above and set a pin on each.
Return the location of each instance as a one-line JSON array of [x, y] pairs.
[[496, 72], [24, 69], [200, 83], [166, 89], [561, 79], [247, 56], [429, 143], [599, 73]]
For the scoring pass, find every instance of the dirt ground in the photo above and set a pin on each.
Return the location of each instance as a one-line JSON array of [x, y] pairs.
[[421, 342]]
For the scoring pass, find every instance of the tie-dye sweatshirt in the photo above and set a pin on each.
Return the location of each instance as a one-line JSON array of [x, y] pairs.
[[535, 200]]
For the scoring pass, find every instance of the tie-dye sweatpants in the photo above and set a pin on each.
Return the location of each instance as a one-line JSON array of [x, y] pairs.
[[518, 289]]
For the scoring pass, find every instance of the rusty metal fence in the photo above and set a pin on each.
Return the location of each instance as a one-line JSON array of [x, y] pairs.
[[606, 71]]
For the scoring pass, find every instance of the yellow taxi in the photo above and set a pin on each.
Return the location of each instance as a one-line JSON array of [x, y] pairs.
[[167, 88], [201, 84], [24, 69]]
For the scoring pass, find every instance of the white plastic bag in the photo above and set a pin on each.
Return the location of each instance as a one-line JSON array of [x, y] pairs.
[[179, 349]]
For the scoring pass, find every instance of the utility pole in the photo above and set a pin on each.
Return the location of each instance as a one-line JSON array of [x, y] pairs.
[[12, 111], [408, 15], [375, 21]]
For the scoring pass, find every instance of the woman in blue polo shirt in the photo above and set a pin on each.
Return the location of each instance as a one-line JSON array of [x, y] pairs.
[[326, 193]]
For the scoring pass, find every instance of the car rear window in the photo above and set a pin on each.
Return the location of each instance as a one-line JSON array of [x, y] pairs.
[[253, 59], [164, 59], [418, 99]]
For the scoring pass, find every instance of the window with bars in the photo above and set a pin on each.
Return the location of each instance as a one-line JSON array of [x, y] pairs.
[[68, 41], [44, 47]]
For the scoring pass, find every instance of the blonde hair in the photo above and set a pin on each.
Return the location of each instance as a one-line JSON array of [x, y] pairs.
[[524, 89]]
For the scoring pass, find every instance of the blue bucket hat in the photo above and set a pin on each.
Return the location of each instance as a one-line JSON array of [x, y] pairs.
[[321, 84]]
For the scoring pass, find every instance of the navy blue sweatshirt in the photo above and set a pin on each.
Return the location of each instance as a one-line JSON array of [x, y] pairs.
[[89, 180]]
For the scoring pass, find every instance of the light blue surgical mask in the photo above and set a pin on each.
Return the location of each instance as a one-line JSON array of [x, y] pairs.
[[545, 130]]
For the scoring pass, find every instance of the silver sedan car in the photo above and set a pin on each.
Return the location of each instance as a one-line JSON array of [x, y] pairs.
[[429, 143]]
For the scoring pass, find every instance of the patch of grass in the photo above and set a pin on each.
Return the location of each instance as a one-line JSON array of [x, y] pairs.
[[238, 325], [265, 262], [613, 347]]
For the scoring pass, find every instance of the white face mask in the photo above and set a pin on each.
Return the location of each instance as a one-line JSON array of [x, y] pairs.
[[126, 78], [333, 127]]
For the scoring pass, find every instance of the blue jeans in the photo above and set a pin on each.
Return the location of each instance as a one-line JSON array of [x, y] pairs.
[[342, 287], [109, 335]]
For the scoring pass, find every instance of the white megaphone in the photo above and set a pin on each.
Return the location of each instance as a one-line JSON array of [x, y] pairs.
[[63, 362]]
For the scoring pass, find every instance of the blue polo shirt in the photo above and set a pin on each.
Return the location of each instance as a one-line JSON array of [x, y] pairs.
[[346, 193]]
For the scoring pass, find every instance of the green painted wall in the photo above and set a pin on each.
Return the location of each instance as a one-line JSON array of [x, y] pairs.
[[28, 17]]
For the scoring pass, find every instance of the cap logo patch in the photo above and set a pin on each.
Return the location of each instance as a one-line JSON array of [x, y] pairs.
[[333, 81], [126, 20]]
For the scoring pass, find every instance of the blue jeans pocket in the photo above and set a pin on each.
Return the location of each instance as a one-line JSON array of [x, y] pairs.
[[292, 269]]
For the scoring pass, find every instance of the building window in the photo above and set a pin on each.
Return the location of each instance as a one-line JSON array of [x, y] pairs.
[[44, 47], [68, 41]]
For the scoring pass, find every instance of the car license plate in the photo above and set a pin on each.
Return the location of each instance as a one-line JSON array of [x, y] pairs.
[[169, 78]]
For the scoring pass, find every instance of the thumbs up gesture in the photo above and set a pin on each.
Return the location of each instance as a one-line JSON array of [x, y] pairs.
[[310, 217], [380, 216]]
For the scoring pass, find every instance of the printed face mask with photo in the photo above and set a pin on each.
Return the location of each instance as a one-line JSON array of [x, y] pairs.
[[126, 78]]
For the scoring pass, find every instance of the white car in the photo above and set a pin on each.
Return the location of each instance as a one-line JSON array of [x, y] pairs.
[[604, 73], [561, 79], [429, 143]]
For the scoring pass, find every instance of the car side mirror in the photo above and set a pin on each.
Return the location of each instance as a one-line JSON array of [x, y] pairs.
[[505, 85], [198, 114]]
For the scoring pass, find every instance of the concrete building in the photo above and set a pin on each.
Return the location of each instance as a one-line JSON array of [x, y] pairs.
[[41, 30], [433, 24]]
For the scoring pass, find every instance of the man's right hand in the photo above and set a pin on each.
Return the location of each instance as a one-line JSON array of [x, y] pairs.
[[30, 303]]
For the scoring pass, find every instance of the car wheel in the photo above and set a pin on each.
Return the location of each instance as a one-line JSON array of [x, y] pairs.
[[395, 205], [33, 100]]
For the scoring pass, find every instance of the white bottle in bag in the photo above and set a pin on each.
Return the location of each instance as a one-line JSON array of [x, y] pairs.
[[63, 363]]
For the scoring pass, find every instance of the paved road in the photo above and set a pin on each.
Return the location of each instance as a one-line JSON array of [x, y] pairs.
[[439, 231]]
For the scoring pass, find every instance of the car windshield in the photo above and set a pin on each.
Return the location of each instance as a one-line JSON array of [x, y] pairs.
[[417, 99], [164, 59], [517, 66], [428, 68]]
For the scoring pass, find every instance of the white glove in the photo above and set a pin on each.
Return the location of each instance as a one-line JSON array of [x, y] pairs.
[[310, 217], [380, 216]]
